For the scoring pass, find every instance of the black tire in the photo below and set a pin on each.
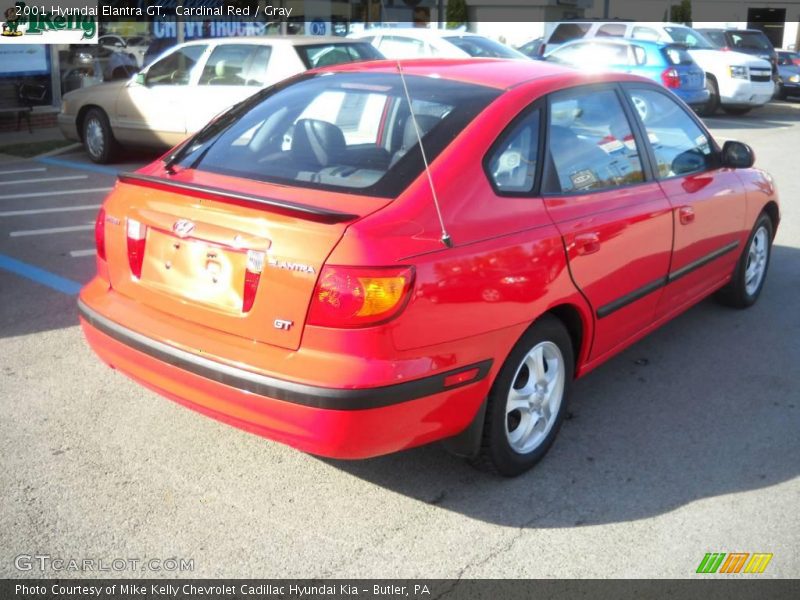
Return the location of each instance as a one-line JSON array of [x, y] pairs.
[[497, 454], [98, 139], [737, 110], [782, 95], [710, 107], [735, 293]]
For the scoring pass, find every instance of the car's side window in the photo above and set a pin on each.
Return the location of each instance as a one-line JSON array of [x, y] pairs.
[[394, 46], [175, 68], [612, 30], [511, 164], [591, 143], [236, 64], [679, 145], [645, 33]]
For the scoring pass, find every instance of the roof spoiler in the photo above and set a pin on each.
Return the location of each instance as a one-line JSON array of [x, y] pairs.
[[204, 191]]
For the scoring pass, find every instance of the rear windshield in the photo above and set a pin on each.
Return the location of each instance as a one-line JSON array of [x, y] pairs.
[[482, 47], [349, 132], [750, 40], [690, 37], [325, 55], [676, 55], [566, 32]]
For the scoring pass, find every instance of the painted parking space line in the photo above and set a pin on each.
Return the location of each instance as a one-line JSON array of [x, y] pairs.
[[54, 194], [80, 253], [44, 211], [51, 280], [51, 230], [44, 179], [17, 171], [74, 164]]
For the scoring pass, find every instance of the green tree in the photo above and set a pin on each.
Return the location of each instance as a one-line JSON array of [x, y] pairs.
[[681, 13], [456, 13]]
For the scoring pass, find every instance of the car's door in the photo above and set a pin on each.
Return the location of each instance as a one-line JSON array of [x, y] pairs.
[[708, 202], [153, 111], [614, 219], [231, 73]]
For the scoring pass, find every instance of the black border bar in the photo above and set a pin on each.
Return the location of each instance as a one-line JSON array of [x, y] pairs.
[[646, 289], [279, 389]]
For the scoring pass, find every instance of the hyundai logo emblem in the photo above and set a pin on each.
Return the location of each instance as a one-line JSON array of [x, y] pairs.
[[183, 227]]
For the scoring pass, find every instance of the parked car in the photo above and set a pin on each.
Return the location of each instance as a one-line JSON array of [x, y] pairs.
[[736, 82], [421, 42], [533, 49], [788, 74], [135, 46], [748, 41], [278, 270], [668, 64], [182, 90]]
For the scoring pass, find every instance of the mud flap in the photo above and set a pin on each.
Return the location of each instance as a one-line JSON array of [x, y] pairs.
[[467, 444]]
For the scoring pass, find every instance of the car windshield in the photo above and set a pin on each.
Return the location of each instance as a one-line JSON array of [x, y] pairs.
[[750, 40], [482, 47], [326, 55], [339, 131], [693, 39]]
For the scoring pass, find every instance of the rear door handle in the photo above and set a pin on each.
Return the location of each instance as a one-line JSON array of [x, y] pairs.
[[686, 215], [587, 243]]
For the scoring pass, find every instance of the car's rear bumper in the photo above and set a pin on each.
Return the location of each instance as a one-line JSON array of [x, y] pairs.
[[333, 422], [697, 97]]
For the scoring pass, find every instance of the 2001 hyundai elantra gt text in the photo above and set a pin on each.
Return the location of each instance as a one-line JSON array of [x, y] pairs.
[[294, 270]]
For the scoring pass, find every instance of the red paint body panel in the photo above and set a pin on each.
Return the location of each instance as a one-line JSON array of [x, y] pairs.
[[513, 260]]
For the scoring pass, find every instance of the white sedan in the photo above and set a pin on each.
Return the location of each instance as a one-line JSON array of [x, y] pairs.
[[413, 42], [188, 85]]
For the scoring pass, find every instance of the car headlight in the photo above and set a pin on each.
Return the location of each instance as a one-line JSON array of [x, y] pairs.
[[738, 72], [795, 78]]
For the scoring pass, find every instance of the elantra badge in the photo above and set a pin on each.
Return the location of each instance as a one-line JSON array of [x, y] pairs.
[[183, 227]]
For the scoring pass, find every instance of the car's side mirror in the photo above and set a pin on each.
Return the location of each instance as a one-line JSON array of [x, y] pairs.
[[689, 161], [737, 155]]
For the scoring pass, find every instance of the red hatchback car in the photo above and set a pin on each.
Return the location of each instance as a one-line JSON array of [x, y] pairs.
[[295, 270]]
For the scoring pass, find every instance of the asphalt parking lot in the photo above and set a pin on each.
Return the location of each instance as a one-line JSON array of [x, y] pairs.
[[686, 443]]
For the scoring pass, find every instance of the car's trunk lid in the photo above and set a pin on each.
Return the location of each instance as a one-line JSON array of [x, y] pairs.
[[200, 239]]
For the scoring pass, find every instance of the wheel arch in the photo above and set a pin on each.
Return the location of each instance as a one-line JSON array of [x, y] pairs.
[[577, 326], [773, 212]]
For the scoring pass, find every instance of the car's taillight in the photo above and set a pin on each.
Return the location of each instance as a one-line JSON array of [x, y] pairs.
[[671, 78], [137, 234], [100, 234], [359, 296], [252, 275]]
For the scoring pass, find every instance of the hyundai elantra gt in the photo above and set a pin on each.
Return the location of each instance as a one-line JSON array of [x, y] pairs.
[[293, 269]]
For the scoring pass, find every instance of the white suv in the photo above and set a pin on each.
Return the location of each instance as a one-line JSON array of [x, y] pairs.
[[736, 81]]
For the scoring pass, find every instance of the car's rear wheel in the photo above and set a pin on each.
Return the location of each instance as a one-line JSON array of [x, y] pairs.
[[748, 278], [98, 139], [527, 402], [710, 107], [736, 110]]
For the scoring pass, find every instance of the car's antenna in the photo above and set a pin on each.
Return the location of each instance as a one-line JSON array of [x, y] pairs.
[[445, 236]]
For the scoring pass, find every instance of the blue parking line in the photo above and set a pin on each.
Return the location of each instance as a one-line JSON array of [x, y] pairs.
[[51, 280], [72, 164]]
